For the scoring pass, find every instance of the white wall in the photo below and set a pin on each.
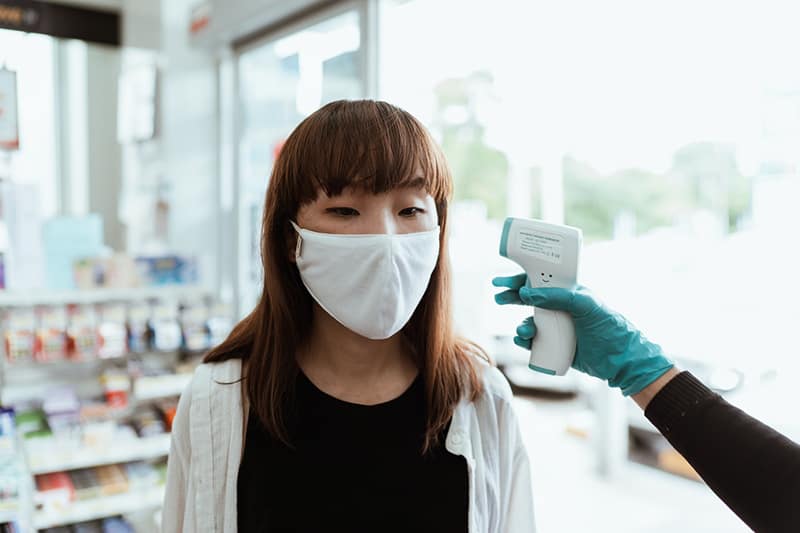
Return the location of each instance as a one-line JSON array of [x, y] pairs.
[[189, 138], [141, 24]]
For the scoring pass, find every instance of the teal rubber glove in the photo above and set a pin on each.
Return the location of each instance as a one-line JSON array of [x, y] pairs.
[[609, 347]]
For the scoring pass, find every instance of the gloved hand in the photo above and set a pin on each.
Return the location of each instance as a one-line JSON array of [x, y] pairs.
[[609, 347]]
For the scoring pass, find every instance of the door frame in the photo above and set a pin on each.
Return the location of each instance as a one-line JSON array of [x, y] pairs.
[[234, 263]]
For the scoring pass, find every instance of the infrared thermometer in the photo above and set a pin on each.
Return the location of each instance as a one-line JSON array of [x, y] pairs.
[[549, 254]]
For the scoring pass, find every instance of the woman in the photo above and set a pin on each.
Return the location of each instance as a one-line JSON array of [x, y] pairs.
[[344, 401]]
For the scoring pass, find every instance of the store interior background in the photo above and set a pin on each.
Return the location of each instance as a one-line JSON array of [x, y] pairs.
[[669, 132]]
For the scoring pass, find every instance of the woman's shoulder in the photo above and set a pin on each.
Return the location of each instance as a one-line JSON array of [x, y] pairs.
[[492, 410], [495, 386], [210, 378], [214, 391]]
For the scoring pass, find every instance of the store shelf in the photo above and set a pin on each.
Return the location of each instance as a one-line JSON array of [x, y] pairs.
[[118, 452], [82, 511], [58, 364], [61, 297], [148, 388], [18, 509], [8, 515]]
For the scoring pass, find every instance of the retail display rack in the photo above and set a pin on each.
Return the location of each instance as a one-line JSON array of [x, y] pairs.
[[89, 384]]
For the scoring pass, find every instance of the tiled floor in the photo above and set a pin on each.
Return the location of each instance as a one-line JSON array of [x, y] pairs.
[[570, 497]]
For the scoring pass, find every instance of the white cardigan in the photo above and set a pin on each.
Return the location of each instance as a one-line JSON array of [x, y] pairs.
[[207, 446]]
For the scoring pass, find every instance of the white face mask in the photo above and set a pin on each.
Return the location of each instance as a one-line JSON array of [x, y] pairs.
[[371, 284]]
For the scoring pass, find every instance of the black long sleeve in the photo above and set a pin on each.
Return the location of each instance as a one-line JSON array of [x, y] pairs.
[[754, 469]]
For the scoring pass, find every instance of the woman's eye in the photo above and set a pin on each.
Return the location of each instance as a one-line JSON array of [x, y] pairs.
[[343, 211], [411, 211]]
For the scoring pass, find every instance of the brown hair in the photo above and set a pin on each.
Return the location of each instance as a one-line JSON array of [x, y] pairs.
[[376, 147]]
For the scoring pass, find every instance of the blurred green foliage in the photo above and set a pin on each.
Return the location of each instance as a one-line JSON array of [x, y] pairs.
[[702, 176], [479, 170]]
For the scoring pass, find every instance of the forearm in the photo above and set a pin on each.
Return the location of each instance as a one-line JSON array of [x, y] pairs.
[[751, 467], [648, 393]]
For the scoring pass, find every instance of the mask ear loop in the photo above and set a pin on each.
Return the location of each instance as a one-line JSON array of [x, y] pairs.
[[299, 244]]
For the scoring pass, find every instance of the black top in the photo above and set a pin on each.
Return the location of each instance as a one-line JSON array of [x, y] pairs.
[[754, 469], [353, 468]]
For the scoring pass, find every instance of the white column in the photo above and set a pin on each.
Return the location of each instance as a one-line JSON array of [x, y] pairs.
[[611, 430], [552, 186], [73, 127], [105, 154], [228, 258], [370, 41], [520, 188]]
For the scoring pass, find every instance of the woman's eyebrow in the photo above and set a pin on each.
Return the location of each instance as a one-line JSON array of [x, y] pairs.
[[417, 182]]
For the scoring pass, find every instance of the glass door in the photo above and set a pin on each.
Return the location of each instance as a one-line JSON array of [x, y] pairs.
[[282, 79]]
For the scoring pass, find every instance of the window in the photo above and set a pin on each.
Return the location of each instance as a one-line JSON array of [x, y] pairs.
[[31, 56], [668, 133]]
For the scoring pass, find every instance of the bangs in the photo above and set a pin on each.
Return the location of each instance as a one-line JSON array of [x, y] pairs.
[[367, 145]]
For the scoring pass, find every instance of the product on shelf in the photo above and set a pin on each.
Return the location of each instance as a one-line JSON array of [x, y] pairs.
[[168, 408], [55, 490], [141, 474], [125, 433], [194, 324], [117, 271], [86, 483], [95, 441], [82, 336], [8, 431], [8, 427], [97, 434], [31, 423], [112, 479], [11, 527], [88, 527], [19, 334], [116, 385], [58, 529], [97, 411], [108, 525], [138, 327], [154, 384], [167, 270], [161, 469], [10, 468], [111, 330], [148, 423], [88, 272], [116, 525], [165, 328], [51, 335], [62, 409], [220, 323], [112, 333], [11, 477]]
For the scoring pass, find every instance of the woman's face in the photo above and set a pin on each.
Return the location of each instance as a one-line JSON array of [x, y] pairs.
[[401, 210]]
